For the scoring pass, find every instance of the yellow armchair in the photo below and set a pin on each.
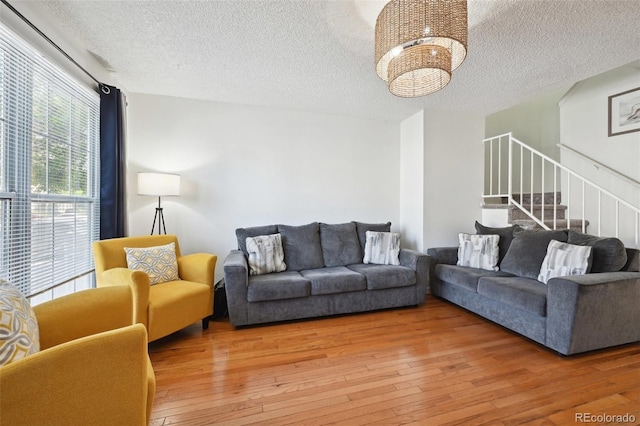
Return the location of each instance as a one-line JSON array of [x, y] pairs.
[[166, 307], [93, 367]]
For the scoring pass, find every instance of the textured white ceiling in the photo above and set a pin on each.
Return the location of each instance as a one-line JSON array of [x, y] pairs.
[[317, 55]]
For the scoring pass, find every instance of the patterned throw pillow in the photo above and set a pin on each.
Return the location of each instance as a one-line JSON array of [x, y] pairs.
[[527, 251], [362, 228], [382, 248], [158, 262], [19, 334], [265, 254], [564, 259], [478, 251]]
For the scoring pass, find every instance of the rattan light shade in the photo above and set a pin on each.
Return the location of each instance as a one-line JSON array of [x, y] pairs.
[[432, 25], [419, 70]]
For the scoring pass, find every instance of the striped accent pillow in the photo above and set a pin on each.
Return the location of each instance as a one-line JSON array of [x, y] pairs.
[[478, 251], [265, 254], [382, 248], [19, 335], [159, 262], [564, 259]]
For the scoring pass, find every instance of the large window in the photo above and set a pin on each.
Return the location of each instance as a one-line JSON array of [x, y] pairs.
[[49, 171]]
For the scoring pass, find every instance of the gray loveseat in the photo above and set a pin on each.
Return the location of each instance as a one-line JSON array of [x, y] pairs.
[[325, 275], [569, 314]]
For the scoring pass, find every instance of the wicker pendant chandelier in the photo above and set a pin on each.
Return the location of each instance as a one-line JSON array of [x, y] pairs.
[[419, 43]]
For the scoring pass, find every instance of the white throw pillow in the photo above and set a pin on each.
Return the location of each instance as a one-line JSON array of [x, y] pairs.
[[19, 334], [382, 248], [564, 259], [265, 254], [159, 262], [478, 251]]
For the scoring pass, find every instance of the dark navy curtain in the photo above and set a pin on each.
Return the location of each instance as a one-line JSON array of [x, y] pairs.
[[112, 163]]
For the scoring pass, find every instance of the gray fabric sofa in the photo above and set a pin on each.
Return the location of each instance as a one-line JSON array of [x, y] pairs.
[[325, 275], [569, 314]]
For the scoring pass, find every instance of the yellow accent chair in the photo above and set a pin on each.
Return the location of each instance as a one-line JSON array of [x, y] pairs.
[[166, 307], [93, 366]]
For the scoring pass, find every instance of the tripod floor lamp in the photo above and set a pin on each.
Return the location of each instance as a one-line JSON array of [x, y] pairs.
[[158, 184]]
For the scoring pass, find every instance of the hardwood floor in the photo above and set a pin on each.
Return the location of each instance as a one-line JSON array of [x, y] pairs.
[[432, 365]]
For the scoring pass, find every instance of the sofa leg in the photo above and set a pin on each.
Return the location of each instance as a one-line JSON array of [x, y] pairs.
[[205, 323]]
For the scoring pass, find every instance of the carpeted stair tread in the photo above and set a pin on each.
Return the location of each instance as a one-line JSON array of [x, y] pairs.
[[575, 224], [538, 197], [560, 209]]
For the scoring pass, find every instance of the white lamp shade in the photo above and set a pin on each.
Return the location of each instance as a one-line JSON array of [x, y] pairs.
[[158, 184]]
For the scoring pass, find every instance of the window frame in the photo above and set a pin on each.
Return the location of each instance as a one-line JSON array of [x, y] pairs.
[[24, 71]]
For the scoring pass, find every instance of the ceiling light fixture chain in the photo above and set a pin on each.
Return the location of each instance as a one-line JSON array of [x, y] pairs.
[[418, 43]]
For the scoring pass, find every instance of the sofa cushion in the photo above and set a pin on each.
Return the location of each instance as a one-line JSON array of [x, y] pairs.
[[382, 248], [169, 301], [478, 251], [385, 276], [526, 294], [265, 254], [283, 285], [338, 279], [506, 237], [564, 259], [302, 249], [609, 254], [340, 245], [362, 228], [464, 276], [243, 233], [527, 251]]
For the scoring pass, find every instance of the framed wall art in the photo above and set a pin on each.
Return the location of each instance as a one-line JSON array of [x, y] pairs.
[[624, 112]]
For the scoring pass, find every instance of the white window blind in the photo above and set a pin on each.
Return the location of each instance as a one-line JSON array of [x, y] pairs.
[[49, 170]]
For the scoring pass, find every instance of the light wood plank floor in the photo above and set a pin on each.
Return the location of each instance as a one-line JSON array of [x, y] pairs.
[[432, 365]]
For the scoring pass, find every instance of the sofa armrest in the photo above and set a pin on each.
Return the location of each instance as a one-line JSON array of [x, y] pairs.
[[139, 283], [444, 255], [633, 260], [198, 267], [419, 262], [236, 283], [593, 311], [83, 313], [98, 379], [410, 258]]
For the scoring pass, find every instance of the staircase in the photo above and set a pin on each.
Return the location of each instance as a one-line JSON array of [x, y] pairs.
[[547, 208], [539, 192]]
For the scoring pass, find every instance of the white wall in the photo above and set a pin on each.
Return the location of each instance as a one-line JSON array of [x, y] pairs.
[[453, 176], [535, 122], [584, 122], [495, 217], [412, 181], [584, 128], [246, 166]]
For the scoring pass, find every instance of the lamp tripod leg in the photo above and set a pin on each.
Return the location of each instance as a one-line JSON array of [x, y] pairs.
[[161, 223], [159, 217], [154, 222]]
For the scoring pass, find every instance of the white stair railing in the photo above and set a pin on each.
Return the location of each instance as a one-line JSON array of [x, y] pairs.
[[517, 173], [621, 180]]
